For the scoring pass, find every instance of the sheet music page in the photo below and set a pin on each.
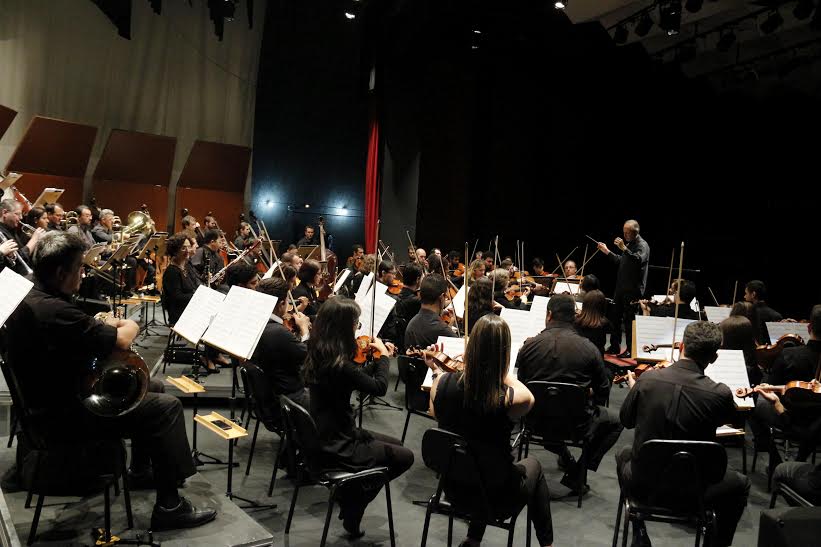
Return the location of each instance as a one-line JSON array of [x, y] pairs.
[[730, 370], [271, 270], [384, 305], [538, 310], [241, 319], [364, 288], [779, 329], [565, 287], [716, 314], [14, 288], [459, 302], [658, 330], [340, 279], [195, 318], [728, 431], [521, 326]]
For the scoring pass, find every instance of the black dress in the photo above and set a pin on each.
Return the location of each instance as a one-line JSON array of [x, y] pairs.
[[178, 287]]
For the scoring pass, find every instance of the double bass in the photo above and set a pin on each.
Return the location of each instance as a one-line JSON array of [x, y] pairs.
[[328, 263]]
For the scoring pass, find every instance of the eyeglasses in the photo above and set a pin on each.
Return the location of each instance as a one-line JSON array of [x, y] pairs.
[[359, 325]]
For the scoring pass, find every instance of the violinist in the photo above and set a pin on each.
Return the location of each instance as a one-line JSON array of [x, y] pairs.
[[408, 303], [332, 376], [455, 262], [685, 296], [427, 326], [476, 270], [309, 237], [281, 352], [355, 260], [435, 264], [310, 278], [755, 292], [244, 237], [738, 333], [368, 265], [422, 258], [560, 354], [538, 267], [747, 309], [490, 264], [570, 270], [55, 214], [631, 281], [481, 301], [592, 322], [503, 292], [242, 275], [83, 226], [206, 259], [701, 406], [386, 274]]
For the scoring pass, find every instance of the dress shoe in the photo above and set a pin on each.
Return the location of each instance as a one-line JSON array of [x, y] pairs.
[[613, 350], [624, 355], [185, 515], [640, 537]]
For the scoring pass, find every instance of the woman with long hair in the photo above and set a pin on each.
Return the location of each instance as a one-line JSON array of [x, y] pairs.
[[331, 376], [501, 284], [310, 278], [476, 270], [748, 310], [738, 333], [481, 404], [480, 301], [592, 322]]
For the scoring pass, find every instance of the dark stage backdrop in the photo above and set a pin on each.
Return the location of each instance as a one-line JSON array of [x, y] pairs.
[[540, 130], [310, 140]]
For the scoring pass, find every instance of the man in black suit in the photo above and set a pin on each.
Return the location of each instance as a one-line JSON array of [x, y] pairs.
[[631, 281], [680, 402], [427, 326], [755, 292]]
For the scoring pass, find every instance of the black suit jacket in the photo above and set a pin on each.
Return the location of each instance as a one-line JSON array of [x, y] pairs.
[[633, 264], [280, 355], [798, 363]]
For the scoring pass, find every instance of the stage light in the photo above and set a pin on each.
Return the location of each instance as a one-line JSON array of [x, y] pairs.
[[802, 9], [269, 203], [670, 16], [621, 34], [772, 23], [349, 15], [726, 40], [693, 5], [307, 205], [561, 4], [644, 25]]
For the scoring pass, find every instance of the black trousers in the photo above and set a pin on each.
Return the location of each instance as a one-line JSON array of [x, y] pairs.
[[805, 427], [727, 498], [602, 433], [622, 314], [533, 492], [796, 475], [387, 452]]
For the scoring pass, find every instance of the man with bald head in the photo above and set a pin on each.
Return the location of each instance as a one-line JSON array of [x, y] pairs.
[[631, 281]]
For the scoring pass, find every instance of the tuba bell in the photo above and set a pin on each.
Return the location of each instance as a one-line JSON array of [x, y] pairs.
[[138, 223], [114, 386]]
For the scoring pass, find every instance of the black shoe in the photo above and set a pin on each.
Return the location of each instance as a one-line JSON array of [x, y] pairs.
[[185, 515], [640, 537], [567, 463], [141, 480], [571, 481], [352, 527], [613, 350], [624, 355]]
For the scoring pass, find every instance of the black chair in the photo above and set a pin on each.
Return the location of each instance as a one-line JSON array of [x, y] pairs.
[[450, 457], [261, 405], [558, 419], [41, 448], [780, 439], [792, 497], [303, 444], [177, 350], [668, 485], [416, 400]]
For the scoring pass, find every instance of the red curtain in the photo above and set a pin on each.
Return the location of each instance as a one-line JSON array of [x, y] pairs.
[[372, 185]]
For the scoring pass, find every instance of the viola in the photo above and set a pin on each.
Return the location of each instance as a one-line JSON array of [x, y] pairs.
[[448, 316], [641, 369], [650, 348], [794, 394], [442, 360], [766, 354]]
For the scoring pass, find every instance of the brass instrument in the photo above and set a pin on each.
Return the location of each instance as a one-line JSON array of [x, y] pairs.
[[27, 229], [71, 219], [138, 222]]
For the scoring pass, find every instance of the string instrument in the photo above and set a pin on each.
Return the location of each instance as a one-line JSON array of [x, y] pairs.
[[793, 394], [459, 271], [396, 287], [650, 348], [448, 315], [514, 291], [442, 360], [766, 354], [265, 259], [364, 351], [641, 369], [355, 263], [329, 264]]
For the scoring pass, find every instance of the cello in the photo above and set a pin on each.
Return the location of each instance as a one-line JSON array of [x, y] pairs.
[[328, 263]]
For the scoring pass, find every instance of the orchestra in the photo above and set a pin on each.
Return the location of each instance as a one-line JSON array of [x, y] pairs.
[[306, 350]]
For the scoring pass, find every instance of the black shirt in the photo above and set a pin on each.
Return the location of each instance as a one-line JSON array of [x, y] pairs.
[[475, 315], [408, 304], [797, 363], [667, 310], [425, 329], [51, 344], [280, 355], [203, 255], [633, 263], [765, 315], [304, 290], [515, 304], [305, 242], [598, 335], [559, 354], [341, 442], [178, 288], [678, 402]]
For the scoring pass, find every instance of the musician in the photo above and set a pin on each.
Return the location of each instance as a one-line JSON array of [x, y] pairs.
[[331, 376], [422, 259], [37, 218], [386, 273], [191, 227], [310, 279], [683, 300], [357, 254], [280, 352], [436, 251], [476, 270], [490, 264], [50, 337], [55, 214], [592, 322], [481, 404], [309, 238], [698, 406], [631, 281], [570, 270], [436, 265], [408, 303], [589, 283], [293, 259], [798, 363], [83, 226], [242, 275], [427, 326], [755, 292], [502, 280], [481, 301], [368, 265], [560, 354], [210, 222], [748, 310], [207, 259], [738, 333], [103, 233], [180, 279], [16, 248], [507, 265], [244, 237], [454, 260], [538, 267]]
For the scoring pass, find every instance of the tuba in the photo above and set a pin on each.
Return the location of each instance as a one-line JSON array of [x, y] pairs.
[[138, 222]]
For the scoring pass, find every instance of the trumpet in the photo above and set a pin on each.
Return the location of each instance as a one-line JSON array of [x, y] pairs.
[[27, 229]]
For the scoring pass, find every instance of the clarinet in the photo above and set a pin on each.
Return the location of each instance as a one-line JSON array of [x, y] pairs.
[[14, 257]]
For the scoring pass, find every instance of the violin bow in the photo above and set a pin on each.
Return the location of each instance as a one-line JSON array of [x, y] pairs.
[[670, 275], [416, 256], [565, 258], [580, 273], [735, 291], [465, 286], [373, 287], [714, 296], [446, 278], [676, 302]]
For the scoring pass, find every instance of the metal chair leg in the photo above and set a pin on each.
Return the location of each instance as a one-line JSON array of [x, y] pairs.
[[36, 520], [618, 519], [626, 530], [390, 513], [327, 519], [253, 446], [427, 523], [13, 430], [276, 467], [405, 429], [450, 530], [291, 512]]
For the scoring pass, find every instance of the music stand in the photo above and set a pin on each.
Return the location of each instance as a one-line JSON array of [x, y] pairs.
[[155, 244], [268, 245], [309, 251], [546, 281], [49, 195], [9, 180]]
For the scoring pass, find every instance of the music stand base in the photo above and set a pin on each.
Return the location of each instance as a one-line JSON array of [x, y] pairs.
[[251, 503], [98, 537]]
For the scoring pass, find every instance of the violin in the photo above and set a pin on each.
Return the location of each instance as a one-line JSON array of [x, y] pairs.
[[794, 394], [650, 348], [448, 316], [641, 369], [766, 354], [355, 263], [364, 351], [459, 271], [442, 360], [396, 287]]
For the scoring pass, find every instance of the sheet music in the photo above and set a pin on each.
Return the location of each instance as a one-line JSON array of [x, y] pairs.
[[340, 279], [562, 287], [384, 305], [728, 431], [459, 302], [199, 312], [716, 314], [658, 330], [14, 288], [241, 319], [521, 326], [364, 288], [730, 370], [538, 310], [779, 329], [271, 270]]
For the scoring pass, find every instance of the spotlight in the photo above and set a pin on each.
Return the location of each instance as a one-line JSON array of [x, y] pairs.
[[621, 34], [269, 203], [693, 5], [670, 16], [561, 4], [802, 9], [307, 205], [772, 23], [349, 15], [726, 40], [644, 25]]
